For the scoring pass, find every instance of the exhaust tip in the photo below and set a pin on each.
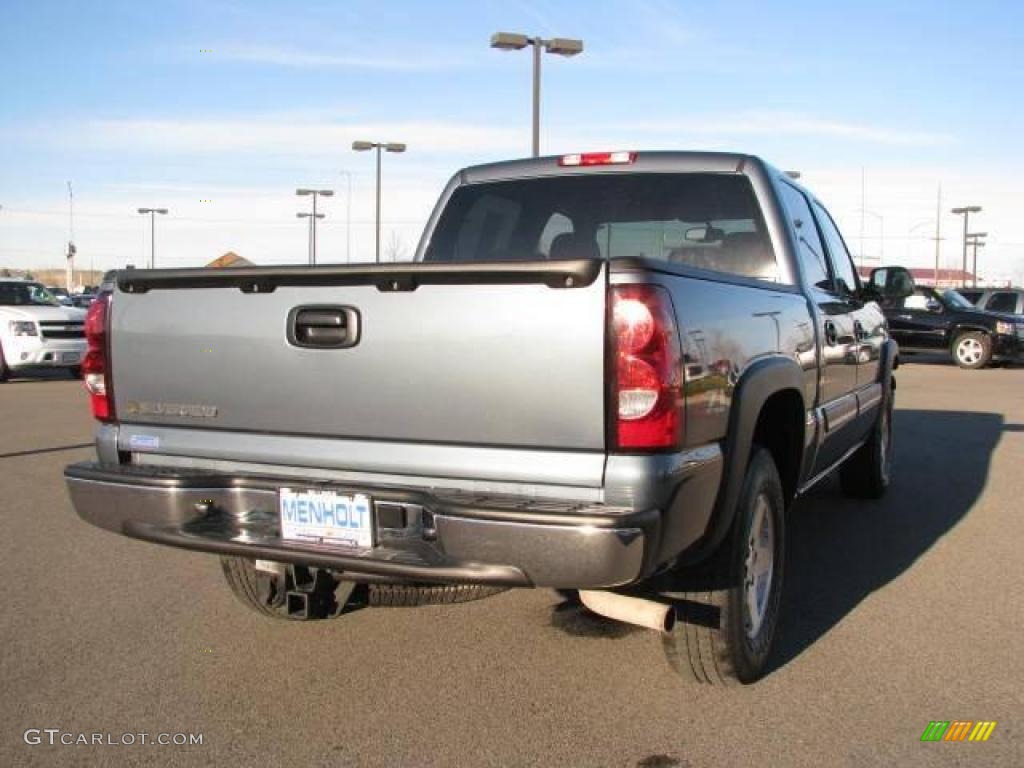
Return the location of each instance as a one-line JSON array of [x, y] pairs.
[[661, 617]]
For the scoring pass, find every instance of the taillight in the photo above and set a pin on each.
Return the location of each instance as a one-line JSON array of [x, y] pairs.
[[96, 366], [646, 390]]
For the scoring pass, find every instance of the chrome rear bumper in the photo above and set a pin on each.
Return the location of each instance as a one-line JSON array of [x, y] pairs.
[[421, 536]]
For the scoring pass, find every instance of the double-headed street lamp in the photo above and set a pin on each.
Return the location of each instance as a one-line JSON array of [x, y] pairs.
[[975, 241], [316, 193], [561, 46], [387, 146], [152, 232], [966, 212]]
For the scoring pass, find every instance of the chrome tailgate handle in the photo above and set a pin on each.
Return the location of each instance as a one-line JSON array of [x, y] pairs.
[[323, 327]]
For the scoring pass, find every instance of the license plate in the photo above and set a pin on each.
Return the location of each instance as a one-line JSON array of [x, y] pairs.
[[326, 517], [69, 357]]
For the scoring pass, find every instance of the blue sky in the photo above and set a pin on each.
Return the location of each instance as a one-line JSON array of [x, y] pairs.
[[238, 103]]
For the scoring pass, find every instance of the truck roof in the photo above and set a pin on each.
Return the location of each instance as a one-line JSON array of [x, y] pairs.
[[645, 161]]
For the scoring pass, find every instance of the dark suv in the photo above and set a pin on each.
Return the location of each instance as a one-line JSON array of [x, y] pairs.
[[1008, 301], [928, 319]]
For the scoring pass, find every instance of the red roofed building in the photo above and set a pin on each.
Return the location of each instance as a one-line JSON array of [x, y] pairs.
[[948, 278], [230, 259]]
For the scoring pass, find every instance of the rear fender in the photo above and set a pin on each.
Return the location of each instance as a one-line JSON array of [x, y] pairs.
[[760, 381]]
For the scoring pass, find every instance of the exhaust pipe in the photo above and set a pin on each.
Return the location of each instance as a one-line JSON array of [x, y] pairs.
[[631, 610]]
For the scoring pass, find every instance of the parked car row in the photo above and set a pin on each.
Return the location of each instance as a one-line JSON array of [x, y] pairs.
[[81, 300]]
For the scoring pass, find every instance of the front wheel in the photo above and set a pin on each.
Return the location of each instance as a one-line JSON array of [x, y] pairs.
[[866, 474], [972, 350], [730, 608]]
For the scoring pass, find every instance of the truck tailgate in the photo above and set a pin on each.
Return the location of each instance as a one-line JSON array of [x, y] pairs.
[[467, 360]]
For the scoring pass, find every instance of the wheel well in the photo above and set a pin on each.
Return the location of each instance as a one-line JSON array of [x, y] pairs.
[[960, 330], [780, 429]]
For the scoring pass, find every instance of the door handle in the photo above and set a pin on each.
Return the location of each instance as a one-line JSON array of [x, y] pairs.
[[323, 327], [831, 334]]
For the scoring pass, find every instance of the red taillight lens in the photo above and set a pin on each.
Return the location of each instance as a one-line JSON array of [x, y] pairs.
[[96, 366], [646, 392]]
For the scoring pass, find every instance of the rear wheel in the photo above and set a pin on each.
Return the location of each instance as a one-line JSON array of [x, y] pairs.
[[5, 372], [75, 371], [730, 606], [972, 350], [408, 595]]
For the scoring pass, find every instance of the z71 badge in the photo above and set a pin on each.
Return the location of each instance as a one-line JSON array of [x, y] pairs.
[[191, 410]]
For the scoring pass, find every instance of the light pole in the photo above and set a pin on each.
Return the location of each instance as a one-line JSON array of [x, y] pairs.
[[316, 193], [561, 46], [348, 216], [152, 231], [912, 230], [966, 212], [881, 236], [976, 242], [387, 146]]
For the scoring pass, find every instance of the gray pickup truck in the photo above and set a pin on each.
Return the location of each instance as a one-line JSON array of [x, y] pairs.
[[602, 373]]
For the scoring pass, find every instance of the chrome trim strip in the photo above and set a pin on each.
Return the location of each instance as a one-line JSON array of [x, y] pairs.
[[831, 468], [377, 457], [527, 490], [839, 412], [869, 397]]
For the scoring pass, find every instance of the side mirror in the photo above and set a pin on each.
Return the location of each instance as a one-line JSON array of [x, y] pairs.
[[890, 283], [933, 306]]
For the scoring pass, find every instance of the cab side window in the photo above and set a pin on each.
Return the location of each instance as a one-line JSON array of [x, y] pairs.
[[809, 247], [1002, 302], [842, 264]]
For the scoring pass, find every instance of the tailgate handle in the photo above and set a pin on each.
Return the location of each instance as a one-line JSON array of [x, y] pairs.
[[320, 327]]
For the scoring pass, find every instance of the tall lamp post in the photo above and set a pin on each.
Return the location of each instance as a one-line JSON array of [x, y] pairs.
[[387, 146], [348, 216], [966, 212], [561, 46], [315, 193], [975, 241], [152, 231], [881, 235]]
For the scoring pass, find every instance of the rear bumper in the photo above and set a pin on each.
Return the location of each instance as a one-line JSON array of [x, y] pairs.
[[421, 536]]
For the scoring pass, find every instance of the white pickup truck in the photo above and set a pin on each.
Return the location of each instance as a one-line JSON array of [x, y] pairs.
[[36, 330]]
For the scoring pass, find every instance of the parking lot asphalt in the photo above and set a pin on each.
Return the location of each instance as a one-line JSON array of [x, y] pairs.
[[896, 613]]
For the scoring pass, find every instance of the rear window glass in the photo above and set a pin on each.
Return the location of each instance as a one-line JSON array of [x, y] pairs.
[[705, 220]]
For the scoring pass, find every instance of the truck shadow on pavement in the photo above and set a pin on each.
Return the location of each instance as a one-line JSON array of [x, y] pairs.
[[841, 550]]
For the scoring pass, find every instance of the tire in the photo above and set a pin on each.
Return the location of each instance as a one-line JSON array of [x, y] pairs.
[[972, 350], [5, 372], [866, 474], [410, 595], [299, 593], [75, 371], [725, 630]]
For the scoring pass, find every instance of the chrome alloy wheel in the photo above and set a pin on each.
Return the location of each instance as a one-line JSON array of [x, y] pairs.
[[969, 351], [758, 567]]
